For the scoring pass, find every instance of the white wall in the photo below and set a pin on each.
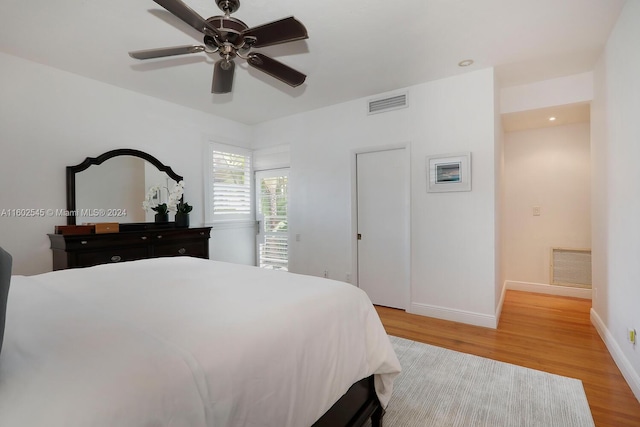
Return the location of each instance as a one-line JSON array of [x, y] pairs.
[[452, 234], [571, 89], [549, 168], [50, 119], [233, 242], [616, 193], [499, 201]]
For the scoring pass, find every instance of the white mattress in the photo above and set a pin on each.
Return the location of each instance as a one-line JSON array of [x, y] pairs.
[[185, 342]]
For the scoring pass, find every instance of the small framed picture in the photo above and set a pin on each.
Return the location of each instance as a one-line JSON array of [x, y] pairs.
[[449, 172]]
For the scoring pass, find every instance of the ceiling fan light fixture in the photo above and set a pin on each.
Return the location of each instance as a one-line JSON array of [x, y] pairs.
[[226, 64]]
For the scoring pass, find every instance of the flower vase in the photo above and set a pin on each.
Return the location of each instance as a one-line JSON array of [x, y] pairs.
[[162, 217], [182, 220]]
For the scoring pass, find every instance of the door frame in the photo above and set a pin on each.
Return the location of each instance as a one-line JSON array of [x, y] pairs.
[[354, 210]]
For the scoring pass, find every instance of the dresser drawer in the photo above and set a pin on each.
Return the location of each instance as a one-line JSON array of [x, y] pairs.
[[108, 256], [96, 242], [165, 237], [193, 248]]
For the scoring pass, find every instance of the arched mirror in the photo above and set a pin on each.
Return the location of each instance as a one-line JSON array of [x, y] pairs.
[[112, 187]]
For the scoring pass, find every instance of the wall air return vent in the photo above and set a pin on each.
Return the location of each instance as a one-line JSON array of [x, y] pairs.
[[381, 105], [571, 267]]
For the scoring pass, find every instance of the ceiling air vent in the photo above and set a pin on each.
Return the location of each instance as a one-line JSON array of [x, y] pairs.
[[387, 104]]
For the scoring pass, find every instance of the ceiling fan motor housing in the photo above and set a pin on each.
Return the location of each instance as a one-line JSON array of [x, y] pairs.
[[229, 29]]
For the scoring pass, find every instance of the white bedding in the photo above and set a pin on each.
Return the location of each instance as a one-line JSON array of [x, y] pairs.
[[185, 342]]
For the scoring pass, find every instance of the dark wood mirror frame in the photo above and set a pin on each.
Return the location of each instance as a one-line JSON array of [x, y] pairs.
[[90, 161]]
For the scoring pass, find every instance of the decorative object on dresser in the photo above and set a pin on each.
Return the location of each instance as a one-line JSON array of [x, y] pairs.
[[134, 241], [182, 214], [153, 200], [106, 227], [162, 212], [75, 229]]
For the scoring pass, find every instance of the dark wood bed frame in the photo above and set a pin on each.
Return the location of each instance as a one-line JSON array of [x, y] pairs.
[[353, 409]]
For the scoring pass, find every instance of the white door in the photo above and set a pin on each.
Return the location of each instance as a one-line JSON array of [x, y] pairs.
[[272, 203], [383, 221]]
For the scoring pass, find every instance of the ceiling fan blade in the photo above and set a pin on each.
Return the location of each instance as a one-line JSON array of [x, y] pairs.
[[185, 13], [223, 76], [166, 51], [276, 69], [282, 31]]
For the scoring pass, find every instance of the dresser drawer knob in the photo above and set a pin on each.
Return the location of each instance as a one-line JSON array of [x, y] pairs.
[[159, 236], [116, 258], [202, 233], [182, 251], [83, 242], [144, 237]]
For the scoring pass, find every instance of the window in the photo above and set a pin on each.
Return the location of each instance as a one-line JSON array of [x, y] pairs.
[[230, 194]]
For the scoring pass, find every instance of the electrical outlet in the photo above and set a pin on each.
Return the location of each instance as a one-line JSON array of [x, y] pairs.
[[348, 277], [631, 335], [326, 274], [536, 211]]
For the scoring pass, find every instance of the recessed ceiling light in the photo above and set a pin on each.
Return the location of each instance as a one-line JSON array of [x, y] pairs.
[[465, 63], [551, 119]]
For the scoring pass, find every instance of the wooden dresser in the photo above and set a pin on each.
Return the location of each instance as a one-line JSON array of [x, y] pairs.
[[131, 243]]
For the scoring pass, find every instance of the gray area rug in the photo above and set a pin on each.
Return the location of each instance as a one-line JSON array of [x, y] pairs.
[[440, 387]]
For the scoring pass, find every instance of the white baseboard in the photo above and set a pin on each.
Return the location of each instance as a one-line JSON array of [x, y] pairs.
[[629, 374], [541, 288], [462, 316]]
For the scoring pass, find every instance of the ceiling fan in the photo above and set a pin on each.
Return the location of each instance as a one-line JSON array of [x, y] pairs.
[[230, 38]]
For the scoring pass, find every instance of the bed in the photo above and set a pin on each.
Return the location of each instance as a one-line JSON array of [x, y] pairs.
[[191, 342]]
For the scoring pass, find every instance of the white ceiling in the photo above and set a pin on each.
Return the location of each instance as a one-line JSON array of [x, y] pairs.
[[356, 48]]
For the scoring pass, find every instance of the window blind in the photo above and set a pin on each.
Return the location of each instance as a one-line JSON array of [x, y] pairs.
[[231, 184]]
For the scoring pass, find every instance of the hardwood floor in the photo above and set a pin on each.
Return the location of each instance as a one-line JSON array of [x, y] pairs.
[[544, 332]]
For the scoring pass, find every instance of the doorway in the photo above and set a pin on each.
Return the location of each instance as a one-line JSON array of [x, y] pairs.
[[272, 204], [382, 199], [547, 201]]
